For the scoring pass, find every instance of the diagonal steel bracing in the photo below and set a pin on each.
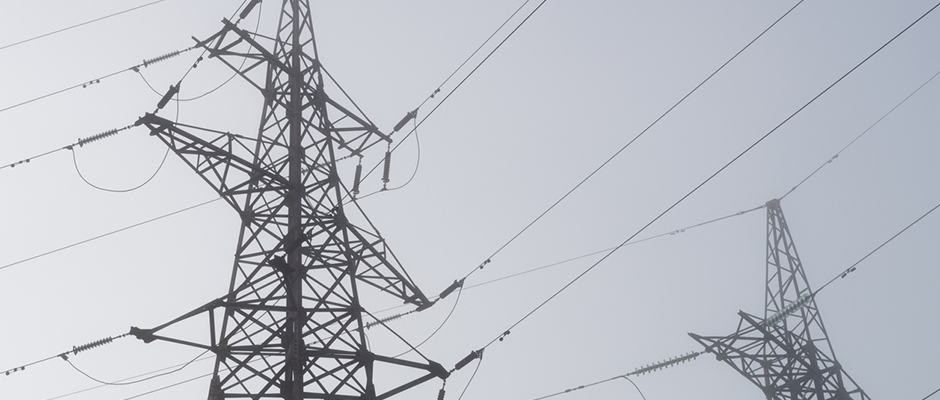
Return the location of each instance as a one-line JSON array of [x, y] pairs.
[[291, 325], [786, 353]]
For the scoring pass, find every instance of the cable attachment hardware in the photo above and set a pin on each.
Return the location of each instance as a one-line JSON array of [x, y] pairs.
[[384, 320], [470, 357], [97, 343], [665, 363], [164, 57], [93, 138], [174, 89], [248, 9], [450, 289], [408, 117], [789, 309]]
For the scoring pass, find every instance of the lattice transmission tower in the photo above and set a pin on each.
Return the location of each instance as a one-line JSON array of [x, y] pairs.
[[786, 353], [291, 325]]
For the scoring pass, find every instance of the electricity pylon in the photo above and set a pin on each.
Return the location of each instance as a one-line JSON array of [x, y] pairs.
[[292, 323], [787, 353]]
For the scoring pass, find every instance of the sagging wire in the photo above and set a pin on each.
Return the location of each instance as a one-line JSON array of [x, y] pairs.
[[65, 355], [130, 378], [174, 91], [411, 116], [247, 10], [476, 355], [639, 371], [447, 318], [88, 83], [122, 383]]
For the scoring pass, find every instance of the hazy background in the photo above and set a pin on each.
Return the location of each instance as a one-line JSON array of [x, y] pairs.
[[574, 84]]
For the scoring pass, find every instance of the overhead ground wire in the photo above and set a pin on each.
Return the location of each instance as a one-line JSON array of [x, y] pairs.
[[712, 176]]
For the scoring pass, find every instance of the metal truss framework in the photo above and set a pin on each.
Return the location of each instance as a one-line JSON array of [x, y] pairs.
[[292, 324], [787, 353]]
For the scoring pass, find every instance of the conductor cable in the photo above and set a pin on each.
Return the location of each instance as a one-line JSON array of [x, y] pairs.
[[712, 176]]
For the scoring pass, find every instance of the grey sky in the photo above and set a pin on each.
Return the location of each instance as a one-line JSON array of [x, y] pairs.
[[577, 82]]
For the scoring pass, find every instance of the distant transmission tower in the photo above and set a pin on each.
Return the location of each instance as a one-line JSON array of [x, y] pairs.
[[787, 353], [291, 326]]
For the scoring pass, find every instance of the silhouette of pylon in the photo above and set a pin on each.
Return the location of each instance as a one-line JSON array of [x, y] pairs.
[[787, 353], [291, 325]]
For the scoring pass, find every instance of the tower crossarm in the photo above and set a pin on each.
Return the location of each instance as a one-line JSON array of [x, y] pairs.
[[232, 45], [217, 160], [787, 354]]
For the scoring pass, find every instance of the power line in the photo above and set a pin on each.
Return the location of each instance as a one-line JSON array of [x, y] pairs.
[[480, 64], [64, 355], [81, 24], [438, 90], [929, 395], [71, 147], [85, 84], [132, 377], [618, 152], [852, 268], [124, 382], [109, 233], [169, 386], [638, 371], [833, 158], [712, 176]]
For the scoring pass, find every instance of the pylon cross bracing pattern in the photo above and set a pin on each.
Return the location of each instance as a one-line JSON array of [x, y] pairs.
[[292, 322], [787, 353]]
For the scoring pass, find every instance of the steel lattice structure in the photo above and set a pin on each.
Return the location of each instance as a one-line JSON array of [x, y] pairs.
[[787, 353], [292, 324]]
